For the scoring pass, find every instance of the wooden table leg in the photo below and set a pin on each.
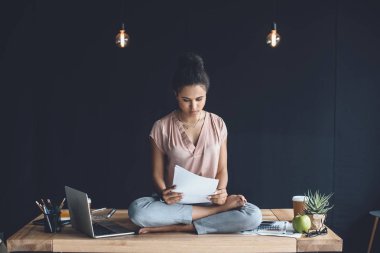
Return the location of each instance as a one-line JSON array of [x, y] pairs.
[[373, 234]]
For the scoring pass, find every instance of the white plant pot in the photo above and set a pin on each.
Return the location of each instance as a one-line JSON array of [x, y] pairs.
[[317, 221]]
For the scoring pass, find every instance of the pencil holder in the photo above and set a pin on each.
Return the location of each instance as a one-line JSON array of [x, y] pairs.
[[52, 221]]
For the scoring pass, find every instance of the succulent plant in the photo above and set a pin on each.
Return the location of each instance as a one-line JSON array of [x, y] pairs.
[[317, 203]]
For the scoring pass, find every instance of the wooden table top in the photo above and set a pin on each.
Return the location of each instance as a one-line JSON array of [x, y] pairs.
[[33, 238]]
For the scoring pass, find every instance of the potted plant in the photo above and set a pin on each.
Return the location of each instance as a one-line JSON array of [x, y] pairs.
[[316, 207]]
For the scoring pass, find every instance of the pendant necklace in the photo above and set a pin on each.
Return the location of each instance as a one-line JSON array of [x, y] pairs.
[[188, 125]]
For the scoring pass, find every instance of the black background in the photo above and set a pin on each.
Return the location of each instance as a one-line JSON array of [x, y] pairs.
[[76, 110]]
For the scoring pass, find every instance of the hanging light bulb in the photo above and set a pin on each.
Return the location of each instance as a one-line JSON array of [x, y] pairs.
[[273, 38], [122, 38]]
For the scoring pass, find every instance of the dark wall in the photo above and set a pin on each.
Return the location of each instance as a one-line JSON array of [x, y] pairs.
[[357, 135], [76, 110]]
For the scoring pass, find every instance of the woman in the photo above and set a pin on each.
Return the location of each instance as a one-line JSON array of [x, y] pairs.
[[197, 141]]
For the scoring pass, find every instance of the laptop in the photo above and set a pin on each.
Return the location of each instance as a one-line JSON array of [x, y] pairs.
[[81, 220]]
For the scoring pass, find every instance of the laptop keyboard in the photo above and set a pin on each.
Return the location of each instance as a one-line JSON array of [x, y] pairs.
[[100, 230], [107, 228]]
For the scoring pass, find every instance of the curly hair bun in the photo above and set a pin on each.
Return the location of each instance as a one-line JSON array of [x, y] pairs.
[[190, 60]]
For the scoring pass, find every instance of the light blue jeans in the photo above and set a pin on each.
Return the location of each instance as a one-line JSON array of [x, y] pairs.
[[151, 212]]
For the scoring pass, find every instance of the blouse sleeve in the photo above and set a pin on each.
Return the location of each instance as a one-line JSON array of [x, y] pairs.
[[157, 135], [223, 130]]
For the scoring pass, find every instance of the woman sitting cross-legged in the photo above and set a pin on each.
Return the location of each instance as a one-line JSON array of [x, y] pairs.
[[197, 141]]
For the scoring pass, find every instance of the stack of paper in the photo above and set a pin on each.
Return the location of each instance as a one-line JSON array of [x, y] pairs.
[[195, 188]]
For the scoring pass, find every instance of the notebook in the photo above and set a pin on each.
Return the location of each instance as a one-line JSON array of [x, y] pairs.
[[278, 227], [274, 228], [81, 220]]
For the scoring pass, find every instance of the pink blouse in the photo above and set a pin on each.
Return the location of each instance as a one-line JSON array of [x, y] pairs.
[[202, 159]]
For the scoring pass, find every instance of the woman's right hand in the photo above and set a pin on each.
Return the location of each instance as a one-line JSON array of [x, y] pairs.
[[171, 197]]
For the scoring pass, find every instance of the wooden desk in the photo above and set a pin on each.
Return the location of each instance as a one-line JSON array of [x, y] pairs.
[[32, 238]]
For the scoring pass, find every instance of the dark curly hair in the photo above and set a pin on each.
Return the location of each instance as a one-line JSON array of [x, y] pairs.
[[190, 71]]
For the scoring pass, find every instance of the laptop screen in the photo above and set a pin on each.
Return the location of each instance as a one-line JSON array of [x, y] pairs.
[[80, 215]]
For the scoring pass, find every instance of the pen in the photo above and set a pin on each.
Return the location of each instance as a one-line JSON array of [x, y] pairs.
[[48, 220], [98, 210], [39, 206], [49, 202], [61, 205], [267, 222], [111, 213], [44, 205]]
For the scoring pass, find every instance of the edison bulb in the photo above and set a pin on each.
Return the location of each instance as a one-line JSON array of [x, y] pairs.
[[122, 38], [273, 38]]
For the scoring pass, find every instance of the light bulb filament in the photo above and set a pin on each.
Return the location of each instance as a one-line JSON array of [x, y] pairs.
[[273, 38], [122, 37]]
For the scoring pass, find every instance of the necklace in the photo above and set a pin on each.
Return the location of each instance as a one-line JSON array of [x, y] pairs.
[[188, 125]]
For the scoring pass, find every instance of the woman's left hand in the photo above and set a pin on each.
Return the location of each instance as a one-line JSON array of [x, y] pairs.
[[219, 197]]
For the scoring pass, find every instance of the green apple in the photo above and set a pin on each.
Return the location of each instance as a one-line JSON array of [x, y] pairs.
[[301, 223]]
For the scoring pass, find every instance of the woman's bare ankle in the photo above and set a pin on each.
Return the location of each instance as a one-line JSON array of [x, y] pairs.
[[185, 228]]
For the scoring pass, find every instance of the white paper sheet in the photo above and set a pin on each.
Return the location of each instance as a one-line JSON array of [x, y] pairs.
[[195, 188]]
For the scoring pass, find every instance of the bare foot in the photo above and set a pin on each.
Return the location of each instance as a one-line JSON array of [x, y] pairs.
[[171, 228], [234, 201]]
